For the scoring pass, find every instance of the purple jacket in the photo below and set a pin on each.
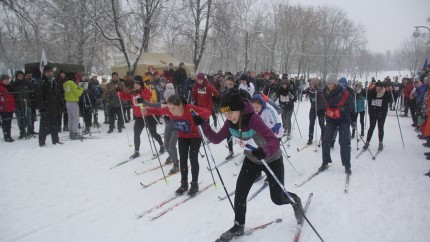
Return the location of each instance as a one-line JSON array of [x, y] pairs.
[[253, 131]]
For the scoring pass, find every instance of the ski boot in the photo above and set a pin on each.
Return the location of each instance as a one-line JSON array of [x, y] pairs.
[[22, 135], [298, 208], [366, 145], [235, 231], [362, 133], [161, 150], [65, 129], [182, 188], [309, 141], [8, 139], [380, 147], [323, 167], [230, 156], [110, 131], [347, 171], [135, 155], [168, 161], [194, 188], [174, 169], [353, 134], [86, 131]]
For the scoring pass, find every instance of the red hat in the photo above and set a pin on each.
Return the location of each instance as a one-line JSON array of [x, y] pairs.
[[201, 76]]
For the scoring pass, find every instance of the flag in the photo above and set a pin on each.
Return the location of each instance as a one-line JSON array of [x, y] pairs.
[[425, 64], [43, 61]]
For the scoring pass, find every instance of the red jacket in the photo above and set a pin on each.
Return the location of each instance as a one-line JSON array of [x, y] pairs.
[[184, 124], [7, 100], [144, 93], [408, 89], [203, 94]]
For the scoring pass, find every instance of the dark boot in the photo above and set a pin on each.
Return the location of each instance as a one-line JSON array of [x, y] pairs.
[[110, 131], [230, 156], [86, 131], [168, 160], [161, 150], [236, 230], [323, 167], [353, 134], [347, 171], [381, 146], [134, 155], [309, 141], [366, 145], [8, 139], [298, 208], [182, 188], [174, 169], [194, 188], [362, 133]]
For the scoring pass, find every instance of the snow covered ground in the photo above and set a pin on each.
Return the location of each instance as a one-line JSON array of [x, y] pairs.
[[69, 193]]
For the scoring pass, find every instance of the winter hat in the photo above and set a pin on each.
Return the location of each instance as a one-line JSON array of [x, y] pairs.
[[138, 79], [18, 72], [201, 76], [4, 77], [379, 84], [343, 81], [231, 101], [244, 77], [47, 68], [331, 78], [170, 91], [156, 73], [163, 79]]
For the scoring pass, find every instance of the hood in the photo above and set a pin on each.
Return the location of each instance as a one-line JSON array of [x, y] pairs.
[[262, 99], [248, 109], [343, 81]]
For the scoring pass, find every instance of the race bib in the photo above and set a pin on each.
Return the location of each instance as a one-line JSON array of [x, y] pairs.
[[284, 99], [182, 125], [396, 88], [377, 102], [201, 90]]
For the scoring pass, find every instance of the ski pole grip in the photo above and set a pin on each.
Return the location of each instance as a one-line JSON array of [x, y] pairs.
[[250, 147], [193, 112]]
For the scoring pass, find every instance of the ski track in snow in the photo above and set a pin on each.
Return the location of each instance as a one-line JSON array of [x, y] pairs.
[[68, 193]]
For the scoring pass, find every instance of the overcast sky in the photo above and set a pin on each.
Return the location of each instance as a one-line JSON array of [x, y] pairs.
[[388, 22]]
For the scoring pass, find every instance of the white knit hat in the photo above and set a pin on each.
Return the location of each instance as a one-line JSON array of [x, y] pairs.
[[331, 78], [170, 90]]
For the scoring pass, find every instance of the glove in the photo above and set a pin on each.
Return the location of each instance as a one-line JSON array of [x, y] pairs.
[[291, 96], [258, 153], [198, 120], [139, 100]]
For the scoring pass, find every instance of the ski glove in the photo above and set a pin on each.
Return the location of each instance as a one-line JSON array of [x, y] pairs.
[[198, 120], [139, 100], [258, 153]]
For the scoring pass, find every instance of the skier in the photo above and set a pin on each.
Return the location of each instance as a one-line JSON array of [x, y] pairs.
[[113, 88], [248, 127], [7, 107], [203, 92], [378, 99], [315, 97], [246, 85], [151, 121], [230, 84], [339, 109], [359, 96], [72, 93], [139, 95], [286, 102], [170, 134], [22, 89], [179, 111]]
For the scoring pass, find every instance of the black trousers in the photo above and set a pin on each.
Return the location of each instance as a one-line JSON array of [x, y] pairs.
[[189, 148], [6, 123], [230, 143], [413, 106], [248, 173], [152, 127], [115, 111], [49, 125], [372, 123], [88, 115], [138, 127], [321, 121], [361, 120]]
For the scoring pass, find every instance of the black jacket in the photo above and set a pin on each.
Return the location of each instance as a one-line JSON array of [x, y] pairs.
[[50, 99], [378, 107]]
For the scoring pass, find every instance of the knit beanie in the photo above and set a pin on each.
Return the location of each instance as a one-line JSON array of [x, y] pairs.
[[331, 78], [138, 79], [170, 91], [231, 101]]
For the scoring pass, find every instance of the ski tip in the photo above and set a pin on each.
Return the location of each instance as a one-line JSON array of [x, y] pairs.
[[298, 150], [373, 158], [279, 220]]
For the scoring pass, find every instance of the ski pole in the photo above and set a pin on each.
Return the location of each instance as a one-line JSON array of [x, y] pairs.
[[123, 120], [286, 192], [356, 115], [147, 133], [153, 141], [398, 122], [295, 118], [367, 148], [316, 119], [213, 160], [289, 162]]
